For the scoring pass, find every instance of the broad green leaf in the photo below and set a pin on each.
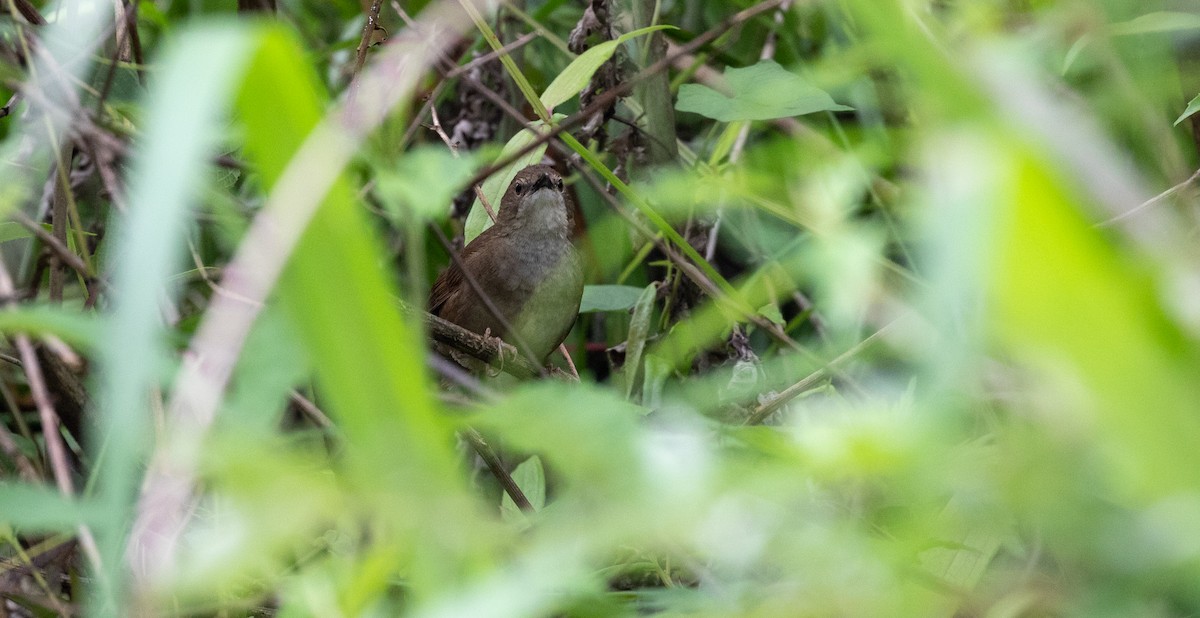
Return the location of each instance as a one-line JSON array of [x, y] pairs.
[[1065, 296], [424, 180], [608, 298], [374, 386], [187, 104], [494, 187], [763, 91], [1192, 108], [576, 76]]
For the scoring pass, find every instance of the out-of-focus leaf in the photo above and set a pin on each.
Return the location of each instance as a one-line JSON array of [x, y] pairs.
[[654, 380], [337, 268], [187, 106], [1062, 294], [372, 381], [575, 77], [41, 509], [763, 91], [424, 180], [12, 231], [608, 298], [1158, 22], [964, 554], [79, 329], [273, 362], [771, 312], [598, 426]]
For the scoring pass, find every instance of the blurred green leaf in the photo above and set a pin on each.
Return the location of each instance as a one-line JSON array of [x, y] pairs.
[[763, 91], [1157, 22], [1065, 296], [609, 298], [771, 312], [187, 103], [42, 509], [336, 266], [78, 329], [425, 179], [10, 230]]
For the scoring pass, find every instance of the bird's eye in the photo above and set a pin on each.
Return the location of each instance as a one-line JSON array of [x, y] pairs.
[[519, 188], [560, 184]]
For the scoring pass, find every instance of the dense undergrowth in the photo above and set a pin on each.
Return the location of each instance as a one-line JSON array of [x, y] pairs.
[[891, 309]]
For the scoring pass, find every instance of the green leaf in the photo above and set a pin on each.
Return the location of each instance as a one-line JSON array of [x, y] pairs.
[[13, 231], [33, 508], [639, 331], [576, 76], [608, 298], [1058, 284], [78, 329], [371, 381], [409, 183], [1157, 23], [186, 112], [760, 92], [772, 313], [1192, 108], [530, 476]]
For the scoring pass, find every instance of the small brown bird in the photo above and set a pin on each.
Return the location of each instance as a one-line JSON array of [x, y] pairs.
[[525, 264]]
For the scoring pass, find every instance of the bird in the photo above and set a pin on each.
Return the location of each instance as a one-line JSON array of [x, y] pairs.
[[525, 264]]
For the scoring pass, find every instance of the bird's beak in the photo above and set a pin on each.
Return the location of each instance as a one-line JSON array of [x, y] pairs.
[[543, 182]]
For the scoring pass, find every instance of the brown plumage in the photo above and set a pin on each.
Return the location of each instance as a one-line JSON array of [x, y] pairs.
[[525, 264]]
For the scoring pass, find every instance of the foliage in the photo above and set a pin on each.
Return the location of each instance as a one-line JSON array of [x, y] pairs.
[[904, 323]]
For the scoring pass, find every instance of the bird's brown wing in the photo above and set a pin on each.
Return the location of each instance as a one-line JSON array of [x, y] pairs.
[[445, 286], [452, 281]]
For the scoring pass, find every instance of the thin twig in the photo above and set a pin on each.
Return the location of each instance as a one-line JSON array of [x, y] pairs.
[[602, 101], [60, 250], [497, 468], [1152, 201], [369, 27], [441, 132], [767, 409], [310, 410]]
